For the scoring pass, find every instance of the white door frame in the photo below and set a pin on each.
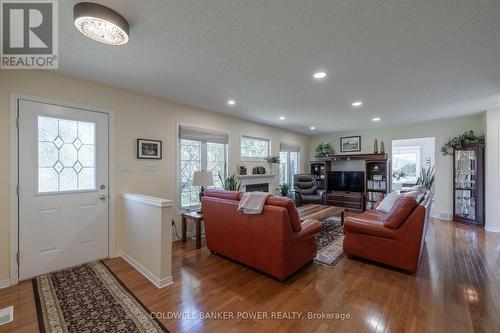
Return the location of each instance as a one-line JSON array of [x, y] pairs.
[[14, 175]]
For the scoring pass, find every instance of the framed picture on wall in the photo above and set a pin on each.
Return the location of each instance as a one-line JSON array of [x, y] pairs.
[[149, 149], [350, 144]]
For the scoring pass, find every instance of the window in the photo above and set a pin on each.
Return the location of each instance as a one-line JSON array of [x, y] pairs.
[[405, 164], [254, 148], [289, 163], [199, 150], [66, 155]]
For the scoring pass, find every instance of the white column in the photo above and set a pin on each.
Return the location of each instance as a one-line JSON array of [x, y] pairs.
[[492, 179], [147, 236]]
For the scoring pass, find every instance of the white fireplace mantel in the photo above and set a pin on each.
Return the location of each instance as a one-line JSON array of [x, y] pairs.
[[257, 179]]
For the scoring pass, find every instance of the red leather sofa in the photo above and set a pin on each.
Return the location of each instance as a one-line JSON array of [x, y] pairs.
[[395, 238], [274, 242]]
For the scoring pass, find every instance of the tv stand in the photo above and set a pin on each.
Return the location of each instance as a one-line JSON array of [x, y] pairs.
[[350, 200]]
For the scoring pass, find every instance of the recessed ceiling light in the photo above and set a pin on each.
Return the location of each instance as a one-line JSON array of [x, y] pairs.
[[312, 128], [231, 102], [101, 23], [319, 75], [376, 119], [357, 104], [282, 118]]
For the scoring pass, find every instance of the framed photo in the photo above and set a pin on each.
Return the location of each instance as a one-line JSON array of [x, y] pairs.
[[350, 143], [149, 149]]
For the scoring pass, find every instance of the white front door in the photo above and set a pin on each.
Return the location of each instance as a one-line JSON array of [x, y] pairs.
[[63, 187]]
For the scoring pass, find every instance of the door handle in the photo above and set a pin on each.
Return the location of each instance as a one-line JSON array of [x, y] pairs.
[[102, 197]]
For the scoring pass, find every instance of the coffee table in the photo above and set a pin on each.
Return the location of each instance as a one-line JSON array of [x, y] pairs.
[[320, 212]]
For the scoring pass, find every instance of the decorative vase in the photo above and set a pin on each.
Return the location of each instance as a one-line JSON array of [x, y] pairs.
[[382, 147], [375, 146]]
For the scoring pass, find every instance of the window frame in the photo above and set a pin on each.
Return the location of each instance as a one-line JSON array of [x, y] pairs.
[[253, 158], [408, 150], [289, 167], [203, 160]]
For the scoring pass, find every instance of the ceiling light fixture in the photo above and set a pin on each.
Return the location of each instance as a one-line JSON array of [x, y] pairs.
[[376, 119], [282, 118], [101, 23], [319, 75], [312, 128], [357, 104], [231, 102]]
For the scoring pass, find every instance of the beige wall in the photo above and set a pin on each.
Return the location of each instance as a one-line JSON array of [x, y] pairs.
[[136, 116], [492, 125], [442, 130]]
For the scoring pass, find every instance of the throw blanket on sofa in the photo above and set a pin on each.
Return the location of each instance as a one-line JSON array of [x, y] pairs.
[[253, 202]]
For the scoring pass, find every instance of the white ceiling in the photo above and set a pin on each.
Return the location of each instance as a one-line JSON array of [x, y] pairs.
[[407, 60]]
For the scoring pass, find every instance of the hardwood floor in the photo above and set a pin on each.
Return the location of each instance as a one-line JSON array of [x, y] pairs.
[[457, 289]]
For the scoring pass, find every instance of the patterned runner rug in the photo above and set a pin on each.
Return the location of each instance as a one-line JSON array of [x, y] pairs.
[[89, 298], [330, 242]]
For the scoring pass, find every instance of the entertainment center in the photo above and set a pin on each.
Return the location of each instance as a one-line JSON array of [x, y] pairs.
[[354, 190]]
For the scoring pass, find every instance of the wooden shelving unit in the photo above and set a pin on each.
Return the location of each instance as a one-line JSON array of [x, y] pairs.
[[319, 169], [378, 180], [356, 201]]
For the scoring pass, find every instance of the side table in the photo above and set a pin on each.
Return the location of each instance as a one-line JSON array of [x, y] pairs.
[[197, 218]]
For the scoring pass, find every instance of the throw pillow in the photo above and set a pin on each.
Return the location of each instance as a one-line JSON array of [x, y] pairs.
[[386, 204]]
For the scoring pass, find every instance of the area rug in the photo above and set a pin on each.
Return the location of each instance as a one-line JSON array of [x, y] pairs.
[[330, 242], [89, 298]]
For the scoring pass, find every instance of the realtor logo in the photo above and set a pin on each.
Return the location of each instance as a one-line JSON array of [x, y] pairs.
[[29, 34]]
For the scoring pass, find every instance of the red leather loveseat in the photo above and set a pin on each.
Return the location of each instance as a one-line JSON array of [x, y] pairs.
[[395, 238], [274, 242]]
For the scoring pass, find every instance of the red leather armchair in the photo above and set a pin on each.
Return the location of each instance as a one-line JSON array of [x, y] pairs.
[[274, 242], [395, 238]]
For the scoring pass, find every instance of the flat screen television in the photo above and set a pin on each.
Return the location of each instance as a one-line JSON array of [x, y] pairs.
[[348, 181]]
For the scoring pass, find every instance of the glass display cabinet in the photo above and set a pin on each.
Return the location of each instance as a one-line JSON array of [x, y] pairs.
[[468, 185]]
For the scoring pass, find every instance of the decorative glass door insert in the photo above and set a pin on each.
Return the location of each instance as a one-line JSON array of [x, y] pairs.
[[66, 155]]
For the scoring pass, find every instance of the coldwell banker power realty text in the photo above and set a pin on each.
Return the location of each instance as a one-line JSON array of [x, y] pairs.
[[29, 34]]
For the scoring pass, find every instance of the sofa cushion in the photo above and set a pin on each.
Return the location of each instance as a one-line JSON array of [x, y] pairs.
[[364, 225], [374, 215], [308, 190], [312, 198], [287, 203], [401, 209], [223, 194], [387, 203]]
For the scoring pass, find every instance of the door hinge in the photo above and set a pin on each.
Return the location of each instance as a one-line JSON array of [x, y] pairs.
[[18, 190], [17, 258], [18, 122]]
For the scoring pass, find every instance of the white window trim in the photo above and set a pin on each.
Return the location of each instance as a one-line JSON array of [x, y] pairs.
[[256, 159], [179, 209], [418, 150]]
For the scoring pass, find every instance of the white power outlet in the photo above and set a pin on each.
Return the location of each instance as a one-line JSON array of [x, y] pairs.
[[6, 315]]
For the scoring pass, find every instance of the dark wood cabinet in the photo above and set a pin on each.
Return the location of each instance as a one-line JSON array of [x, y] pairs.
[[350, 200], [319, 169], [468, 185], [378, 181]]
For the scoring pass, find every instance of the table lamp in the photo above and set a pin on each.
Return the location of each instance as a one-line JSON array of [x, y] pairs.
[[202, 178]]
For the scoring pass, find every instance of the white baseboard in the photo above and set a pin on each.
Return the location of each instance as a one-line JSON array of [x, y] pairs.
[[490, 229], [4, 283], [444, 215], [159, 283]]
